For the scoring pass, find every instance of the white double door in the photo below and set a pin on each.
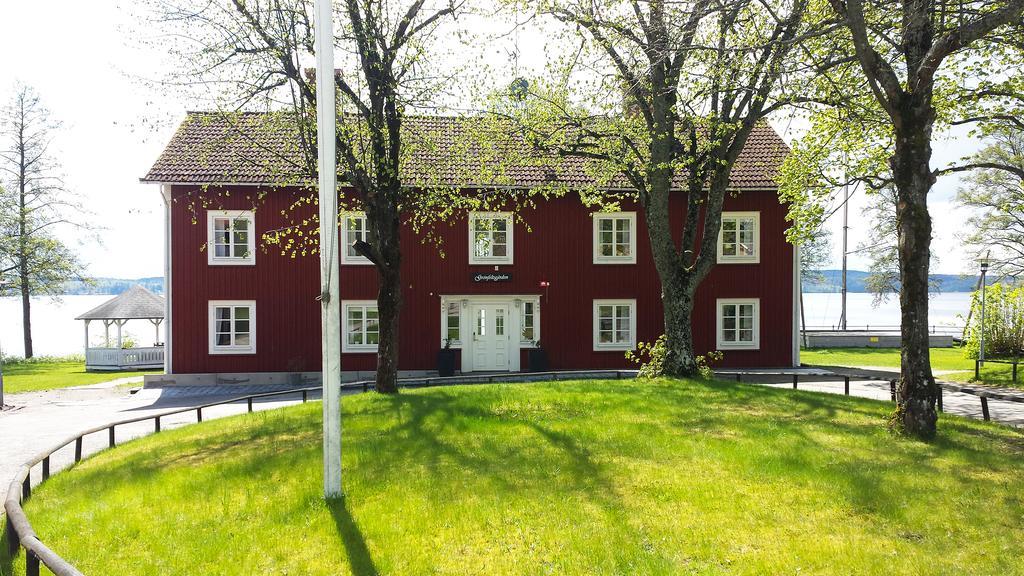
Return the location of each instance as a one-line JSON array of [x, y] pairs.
[[491, 342]]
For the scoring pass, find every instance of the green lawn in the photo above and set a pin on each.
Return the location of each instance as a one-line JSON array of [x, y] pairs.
[[32, 376], [942, 359], [610, 477]]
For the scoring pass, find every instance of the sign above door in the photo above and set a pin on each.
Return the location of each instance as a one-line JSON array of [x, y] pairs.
[[491, 276]]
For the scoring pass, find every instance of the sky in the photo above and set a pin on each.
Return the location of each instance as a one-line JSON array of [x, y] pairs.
[[86, 62]]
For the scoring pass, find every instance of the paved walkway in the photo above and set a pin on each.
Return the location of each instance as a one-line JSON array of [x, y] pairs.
[[40, 420], [861, 384]]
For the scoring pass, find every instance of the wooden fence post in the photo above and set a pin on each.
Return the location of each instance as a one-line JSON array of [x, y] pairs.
[[26, 486], [31, 564], [156, 424], [984, 409], [795, 377], [46, 467], [739, 377], [78, 449], [304, 393], [977, 370], [249, 402], [846, 385], [110, 433], [199, 414], [12, 537]]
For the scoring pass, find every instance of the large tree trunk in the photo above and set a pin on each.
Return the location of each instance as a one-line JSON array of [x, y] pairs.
[[26, 310], [918, 393], [678, 311], [389, 307], [676, 297]]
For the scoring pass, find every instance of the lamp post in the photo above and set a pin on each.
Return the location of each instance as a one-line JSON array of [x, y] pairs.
[[984, 262]]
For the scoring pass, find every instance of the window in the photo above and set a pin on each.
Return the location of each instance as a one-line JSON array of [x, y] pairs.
[[353, 228], [614, 324], [615, 238], [230, 237], [452, 323], [233, 327], [738, 323], [490, 238], [362, 326], [528, 324], [739, 239]]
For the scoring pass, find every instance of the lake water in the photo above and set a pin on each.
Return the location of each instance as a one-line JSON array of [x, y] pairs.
[[822, 310], [56, 332]]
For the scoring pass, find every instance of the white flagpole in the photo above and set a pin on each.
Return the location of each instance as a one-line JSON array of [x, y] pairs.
[[326, 118]]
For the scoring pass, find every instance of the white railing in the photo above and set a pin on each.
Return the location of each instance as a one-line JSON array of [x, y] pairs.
[[118, 359]]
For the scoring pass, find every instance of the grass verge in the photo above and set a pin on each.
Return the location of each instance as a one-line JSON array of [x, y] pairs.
[[605, 477], [33, 376], [942, 359]]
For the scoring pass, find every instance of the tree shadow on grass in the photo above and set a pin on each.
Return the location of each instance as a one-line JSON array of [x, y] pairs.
[[359, 558]]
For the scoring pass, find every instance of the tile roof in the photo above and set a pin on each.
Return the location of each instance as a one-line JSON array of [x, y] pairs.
[[264, 149]]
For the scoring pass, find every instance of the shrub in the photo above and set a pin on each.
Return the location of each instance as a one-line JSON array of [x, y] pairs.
[[1004, 323], [43, 359], [651, 358]]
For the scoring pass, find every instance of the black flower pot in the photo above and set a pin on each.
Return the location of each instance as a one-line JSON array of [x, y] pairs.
[[446, 362], [537, 360]]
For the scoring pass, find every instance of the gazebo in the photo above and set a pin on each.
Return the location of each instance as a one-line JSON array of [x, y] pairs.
[[136, 303]]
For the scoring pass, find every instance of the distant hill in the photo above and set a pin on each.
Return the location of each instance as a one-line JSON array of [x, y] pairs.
[[833, 281], [113, 286]]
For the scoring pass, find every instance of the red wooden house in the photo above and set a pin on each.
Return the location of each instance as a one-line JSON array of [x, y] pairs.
[[579, 284]]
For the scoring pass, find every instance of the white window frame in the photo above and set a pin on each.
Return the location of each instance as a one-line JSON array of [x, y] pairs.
[[737, 259], [346, 258], [445, 302], [598, 346], [345, 346], [601, 259], [214, 349], [721, 344], [523, 343], [211, 250], [509, 236]]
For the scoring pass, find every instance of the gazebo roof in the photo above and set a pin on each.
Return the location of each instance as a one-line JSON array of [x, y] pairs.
[[134, 303]]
